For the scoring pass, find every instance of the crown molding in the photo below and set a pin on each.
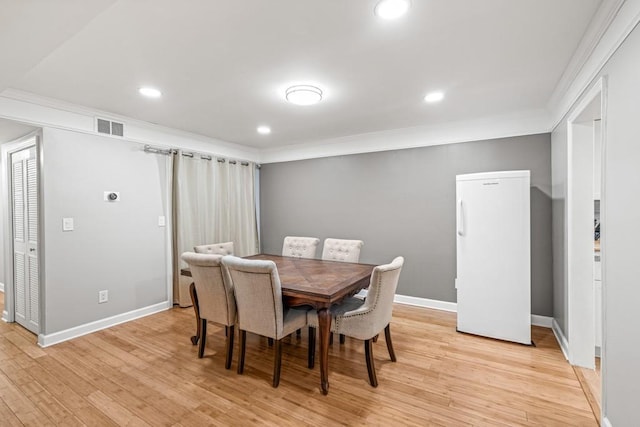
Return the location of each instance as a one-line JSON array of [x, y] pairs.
[[516, 124], [41, 111], [611, 25]]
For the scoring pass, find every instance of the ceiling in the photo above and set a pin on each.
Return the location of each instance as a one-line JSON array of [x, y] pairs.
[[223, 66]]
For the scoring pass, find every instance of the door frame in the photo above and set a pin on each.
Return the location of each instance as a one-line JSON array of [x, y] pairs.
[[580, 303], [7, 149]]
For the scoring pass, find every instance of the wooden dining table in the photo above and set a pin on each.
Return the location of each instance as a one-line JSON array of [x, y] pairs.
[[315, 283]]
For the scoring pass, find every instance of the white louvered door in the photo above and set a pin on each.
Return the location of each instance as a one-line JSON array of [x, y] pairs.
[[24, 195]]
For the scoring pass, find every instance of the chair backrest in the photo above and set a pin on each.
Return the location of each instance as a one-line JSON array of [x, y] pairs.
[[215, 291], [215, 248], [258, 295], [382, 289], [341, 250], [300, 247]]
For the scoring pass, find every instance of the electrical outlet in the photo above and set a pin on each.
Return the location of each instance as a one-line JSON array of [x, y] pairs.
[[103, 296]]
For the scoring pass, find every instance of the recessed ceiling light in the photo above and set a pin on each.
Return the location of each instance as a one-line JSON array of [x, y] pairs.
[[434, 97], [264, 130], [391, 9], [303, 95], [150, 92]]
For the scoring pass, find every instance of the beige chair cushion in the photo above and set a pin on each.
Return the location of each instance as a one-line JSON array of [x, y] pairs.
[[216, 300], [259, 298], [366, 319], [341, 250], [215, 248], [300, 247]]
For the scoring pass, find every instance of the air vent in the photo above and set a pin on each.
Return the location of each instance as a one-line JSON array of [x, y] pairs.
[[109, 128]]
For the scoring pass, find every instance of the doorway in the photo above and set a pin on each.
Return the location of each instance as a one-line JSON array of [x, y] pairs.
[[586, 230], [21, 232]]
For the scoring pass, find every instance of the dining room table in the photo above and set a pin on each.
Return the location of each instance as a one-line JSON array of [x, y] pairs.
[[314, 283]]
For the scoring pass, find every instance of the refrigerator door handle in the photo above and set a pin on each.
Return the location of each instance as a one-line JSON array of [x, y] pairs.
[[460, 218]]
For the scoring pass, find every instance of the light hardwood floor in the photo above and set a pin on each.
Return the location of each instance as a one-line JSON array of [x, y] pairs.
[[146, 372]]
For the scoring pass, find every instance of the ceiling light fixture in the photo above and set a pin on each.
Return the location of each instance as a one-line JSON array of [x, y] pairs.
[[391, 9], [434, 97], [303, 95], [264, 130], [150, 92]]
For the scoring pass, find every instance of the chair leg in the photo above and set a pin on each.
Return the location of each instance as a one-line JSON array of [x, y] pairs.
[[270, 342], [387, 338], [242, 343], [368, 352], [312, 348], [203, 337], [230, 330], [375, 339], [277, 363], [330, 339], [298, 333], [342, 338]]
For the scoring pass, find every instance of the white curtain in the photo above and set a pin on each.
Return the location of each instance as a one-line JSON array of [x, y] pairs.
[[214, 203]]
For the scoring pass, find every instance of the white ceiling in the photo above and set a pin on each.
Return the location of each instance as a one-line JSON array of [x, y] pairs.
[[223, 65]]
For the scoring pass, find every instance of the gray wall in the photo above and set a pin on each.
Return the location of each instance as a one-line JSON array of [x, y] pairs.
[[115, 246], [403, 203]]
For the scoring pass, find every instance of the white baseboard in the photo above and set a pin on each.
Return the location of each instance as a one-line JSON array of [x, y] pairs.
[[562, 340], [1, 287], [536, 320], [77, 331], [606, 422], [425, 302], [543, 321]]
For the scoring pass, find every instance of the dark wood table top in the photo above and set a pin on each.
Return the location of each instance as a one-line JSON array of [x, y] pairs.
[[317, 282]]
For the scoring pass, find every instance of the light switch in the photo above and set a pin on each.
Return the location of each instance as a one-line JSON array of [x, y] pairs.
[[162, 221], [67, 224]]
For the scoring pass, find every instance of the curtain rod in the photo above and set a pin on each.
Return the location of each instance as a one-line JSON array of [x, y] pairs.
[[170, 151]]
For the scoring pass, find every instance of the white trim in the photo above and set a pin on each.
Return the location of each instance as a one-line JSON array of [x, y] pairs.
[[425, 302], [67, 334], [517, 124], [606, 422], [623, 16], [2, 287], [562, 341], [536, 320], [41, 111], [542, 321], [598, 26]]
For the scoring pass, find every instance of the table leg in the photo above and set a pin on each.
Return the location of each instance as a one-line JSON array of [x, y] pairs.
[[324, 330], [196, 308]]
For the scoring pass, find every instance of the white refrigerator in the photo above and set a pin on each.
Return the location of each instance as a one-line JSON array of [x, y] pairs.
[[493, 277]]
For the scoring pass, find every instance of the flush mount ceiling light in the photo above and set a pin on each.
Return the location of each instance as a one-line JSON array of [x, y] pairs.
[[432, 97], [303, 95], [264, 130], [150, 92], [391, 9]]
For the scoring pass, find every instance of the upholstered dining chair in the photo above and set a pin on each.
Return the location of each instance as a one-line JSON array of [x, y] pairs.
[[341, 250], [366, 319], [216, 301], [260, 310], [215, 248], [300, 247]]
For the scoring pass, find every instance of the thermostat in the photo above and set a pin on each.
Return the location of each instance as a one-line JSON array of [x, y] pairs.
[[112, 196]]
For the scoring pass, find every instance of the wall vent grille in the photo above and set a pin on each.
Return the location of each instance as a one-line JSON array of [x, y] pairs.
[[108, 127]]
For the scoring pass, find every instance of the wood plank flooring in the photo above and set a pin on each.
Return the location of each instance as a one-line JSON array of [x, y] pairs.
[[591, 385], [147, 373]]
